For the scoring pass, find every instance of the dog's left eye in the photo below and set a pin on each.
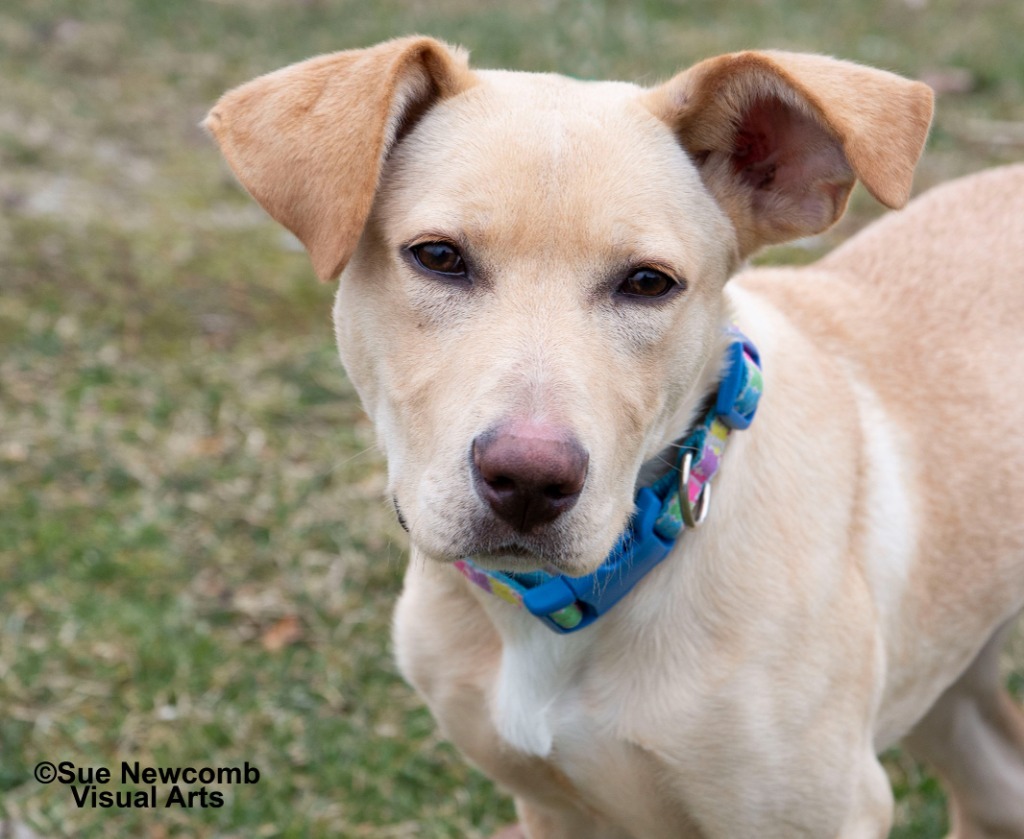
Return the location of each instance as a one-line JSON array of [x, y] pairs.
[[440, 258], [646, 282]]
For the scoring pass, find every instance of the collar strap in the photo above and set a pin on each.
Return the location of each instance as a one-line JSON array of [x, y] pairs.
[[677, 500]]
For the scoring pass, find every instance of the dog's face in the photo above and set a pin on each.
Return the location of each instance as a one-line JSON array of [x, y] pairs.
[[531, 303], [559, 277]]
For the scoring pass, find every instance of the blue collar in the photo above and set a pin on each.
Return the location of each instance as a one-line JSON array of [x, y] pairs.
[[663, 510]]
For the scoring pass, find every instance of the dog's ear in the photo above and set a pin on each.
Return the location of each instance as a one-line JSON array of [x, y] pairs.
[[780, 137], [309, 140]]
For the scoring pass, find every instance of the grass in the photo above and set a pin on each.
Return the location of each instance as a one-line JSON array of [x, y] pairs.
[[196, 563]]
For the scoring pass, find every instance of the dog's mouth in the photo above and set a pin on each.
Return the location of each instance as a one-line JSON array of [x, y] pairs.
[[565, 546], [556, 553], [513, 557], [517, 551]]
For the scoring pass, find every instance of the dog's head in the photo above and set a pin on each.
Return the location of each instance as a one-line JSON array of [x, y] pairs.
[[532, 267]]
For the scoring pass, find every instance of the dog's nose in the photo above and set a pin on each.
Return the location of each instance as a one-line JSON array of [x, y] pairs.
[[529, 472]]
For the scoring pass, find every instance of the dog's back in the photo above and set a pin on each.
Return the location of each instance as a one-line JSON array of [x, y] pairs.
[[924, 311]]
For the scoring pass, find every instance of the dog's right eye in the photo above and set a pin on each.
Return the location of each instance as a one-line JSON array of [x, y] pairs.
[[439, 258], [647, 283]]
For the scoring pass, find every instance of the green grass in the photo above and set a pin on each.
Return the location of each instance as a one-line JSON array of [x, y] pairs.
[[185, 473]]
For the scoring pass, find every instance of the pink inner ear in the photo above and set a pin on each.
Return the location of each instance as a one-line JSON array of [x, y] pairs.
[[755, 149], [777, 147]]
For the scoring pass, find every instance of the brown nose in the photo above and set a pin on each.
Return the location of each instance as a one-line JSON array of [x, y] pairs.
[[529, 472]]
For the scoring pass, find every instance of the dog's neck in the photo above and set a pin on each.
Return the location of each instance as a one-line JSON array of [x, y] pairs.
[[687, 415]]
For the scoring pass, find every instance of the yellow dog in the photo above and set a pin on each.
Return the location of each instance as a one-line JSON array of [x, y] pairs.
[[536, 276]]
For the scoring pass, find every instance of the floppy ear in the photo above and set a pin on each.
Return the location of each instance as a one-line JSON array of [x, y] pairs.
[[309, 140], [780, 138]]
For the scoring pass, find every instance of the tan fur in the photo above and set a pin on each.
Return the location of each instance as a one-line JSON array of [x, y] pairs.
[[865, 541], [880, 131], [308, 140]]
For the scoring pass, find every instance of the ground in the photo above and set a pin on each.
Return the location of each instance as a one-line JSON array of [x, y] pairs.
[[197, 561]]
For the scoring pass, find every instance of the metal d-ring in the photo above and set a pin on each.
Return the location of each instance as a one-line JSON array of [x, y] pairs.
[[703, 500]]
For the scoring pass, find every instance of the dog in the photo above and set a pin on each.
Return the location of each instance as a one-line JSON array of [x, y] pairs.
[[542, 291]]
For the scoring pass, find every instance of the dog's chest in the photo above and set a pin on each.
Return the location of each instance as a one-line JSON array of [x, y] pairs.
[[537, 675], [551, 699]]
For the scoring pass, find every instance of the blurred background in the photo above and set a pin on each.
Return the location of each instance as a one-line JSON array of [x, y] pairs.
[[197, 565]]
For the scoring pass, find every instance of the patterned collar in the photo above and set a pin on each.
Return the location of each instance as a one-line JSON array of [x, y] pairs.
[[566, 604]]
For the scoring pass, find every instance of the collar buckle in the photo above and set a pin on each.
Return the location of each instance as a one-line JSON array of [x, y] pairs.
[[638, 550], [693, 513]]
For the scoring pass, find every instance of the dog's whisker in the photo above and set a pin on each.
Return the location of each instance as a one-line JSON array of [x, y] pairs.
[[340, 464]]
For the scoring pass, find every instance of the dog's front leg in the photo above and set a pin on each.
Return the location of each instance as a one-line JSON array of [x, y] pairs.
[[537, 822], [871, 815], [450, 652]]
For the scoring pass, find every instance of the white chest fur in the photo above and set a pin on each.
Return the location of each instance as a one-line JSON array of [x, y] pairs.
[[537, 668]]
